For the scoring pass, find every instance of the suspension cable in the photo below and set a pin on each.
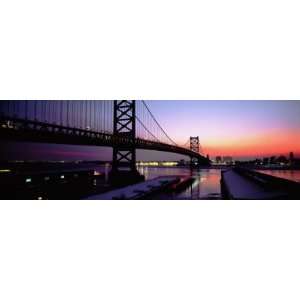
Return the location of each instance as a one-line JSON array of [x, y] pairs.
[[158, 123], [146, 128]]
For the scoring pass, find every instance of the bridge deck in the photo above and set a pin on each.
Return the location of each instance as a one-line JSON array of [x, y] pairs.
[[28, 130]]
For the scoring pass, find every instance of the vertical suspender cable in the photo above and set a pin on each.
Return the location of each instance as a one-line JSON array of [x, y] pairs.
[[67, 113], [82, 113], [26, 108], [14, 108], [95, 125], [35, 109], [72, 113], [104, 111], [102, 116], [61, 112], [85, 118], [97, 114], [90, 119]]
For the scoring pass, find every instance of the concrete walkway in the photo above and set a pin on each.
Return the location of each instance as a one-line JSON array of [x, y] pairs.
[[240, 187]]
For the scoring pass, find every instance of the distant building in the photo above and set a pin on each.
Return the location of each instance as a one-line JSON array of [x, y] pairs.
[[272, 160], [218, 159], [282, 160], [291, 158], [265, 160], [227, 160]]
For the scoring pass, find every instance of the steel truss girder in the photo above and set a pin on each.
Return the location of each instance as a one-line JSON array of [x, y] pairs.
[[124, 157], [124, 118]]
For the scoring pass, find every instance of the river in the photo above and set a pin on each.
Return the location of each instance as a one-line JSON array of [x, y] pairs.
[[287, 174], [207, 181], [205, 186]]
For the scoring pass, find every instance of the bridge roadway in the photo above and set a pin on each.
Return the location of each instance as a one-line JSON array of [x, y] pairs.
[[35, 131]]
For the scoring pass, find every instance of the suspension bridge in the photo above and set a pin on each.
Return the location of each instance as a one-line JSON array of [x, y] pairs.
[[124, 125]]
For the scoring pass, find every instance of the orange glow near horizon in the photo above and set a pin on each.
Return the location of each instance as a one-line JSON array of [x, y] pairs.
[[275, 142]]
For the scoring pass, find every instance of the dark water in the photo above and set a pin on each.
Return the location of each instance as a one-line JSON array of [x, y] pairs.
[[205, 186]]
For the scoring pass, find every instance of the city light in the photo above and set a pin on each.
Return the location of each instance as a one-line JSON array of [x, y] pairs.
[[62, 176], [149, 163], [169, 164], [5, 171], [28, 180], [157, 163]]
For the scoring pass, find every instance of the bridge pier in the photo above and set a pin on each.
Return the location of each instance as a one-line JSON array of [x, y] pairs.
[[197, 161], [194, 162], [124, 157]]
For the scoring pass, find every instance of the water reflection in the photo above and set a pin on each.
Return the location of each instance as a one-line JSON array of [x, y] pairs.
[[205, 186], [287, 174]]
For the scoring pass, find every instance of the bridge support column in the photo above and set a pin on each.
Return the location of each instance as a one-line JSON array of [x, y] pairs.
[[124, 157]]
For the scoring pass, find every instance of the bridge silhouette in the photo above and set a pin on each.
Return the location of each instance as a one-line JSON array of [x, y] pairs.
[[124, 125]]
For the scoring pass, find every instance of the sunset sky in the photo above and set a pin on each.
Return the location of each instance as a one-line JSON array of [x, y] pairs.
[[242, 129], [237, 128]]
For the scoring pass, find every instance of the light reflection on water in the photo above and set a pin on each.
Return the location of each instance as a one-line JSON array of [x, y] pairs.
[[205, 186]]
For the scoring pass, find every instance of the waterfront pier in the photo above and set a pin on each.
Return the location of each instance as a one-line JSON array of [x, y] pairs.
[[242, 183]]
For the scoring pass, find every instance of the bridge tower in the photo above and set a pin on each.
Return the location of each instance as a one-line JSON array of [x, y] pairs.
[[124, 157], [194, 146]]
